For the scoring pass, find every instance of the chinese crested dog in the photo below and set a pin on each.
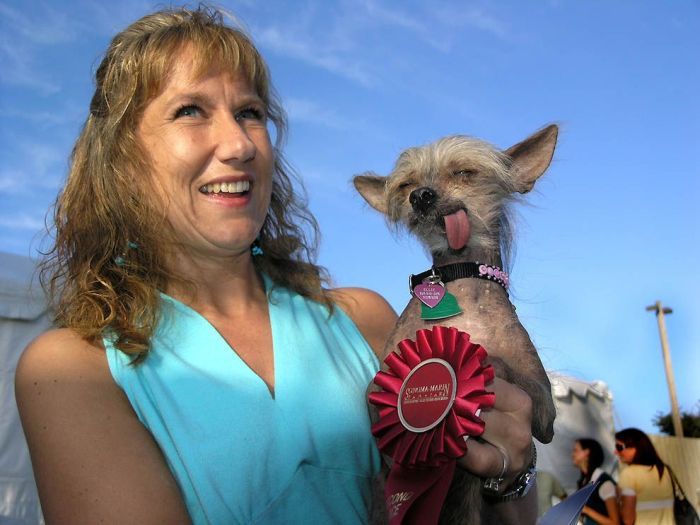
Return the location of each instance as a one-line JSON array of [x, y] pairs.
[[454, 195]]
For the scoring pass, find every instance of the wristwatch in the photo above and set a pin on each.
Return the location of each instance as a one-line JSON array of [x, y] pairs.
[[518, 489]]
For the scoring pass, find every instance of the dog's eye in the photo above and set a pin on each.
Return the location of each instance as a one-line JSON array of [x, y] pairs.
[[405, 185], [464, 173]]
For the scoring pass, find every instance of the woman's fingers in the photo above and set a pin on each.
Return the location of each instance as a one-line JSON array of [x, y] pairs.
[[510, 398], [508, 429]]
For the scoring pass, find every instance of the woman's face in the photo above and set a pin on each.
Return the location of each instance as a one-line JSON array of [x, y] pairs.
[[579, 456], [625, 453], [211, 158]]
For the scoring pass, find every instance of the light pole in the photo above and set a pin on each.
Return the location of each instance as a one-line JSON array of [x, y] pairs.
[[675, 413]]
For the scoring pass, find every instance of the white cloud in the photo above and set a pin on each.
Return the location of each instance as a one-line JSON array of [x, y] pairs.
[[420, 26], [439, 24], [352, 41], [68, 115], [10, 181], [459, 17], [16, 63], [23, 34], [294, 45], [309, 111], [47, 26], [23, 221], [37, 167], [108, 18]]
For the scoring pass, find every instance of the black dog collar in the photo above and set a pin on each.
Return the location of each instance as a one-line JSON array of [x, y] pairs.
[[452, 272]]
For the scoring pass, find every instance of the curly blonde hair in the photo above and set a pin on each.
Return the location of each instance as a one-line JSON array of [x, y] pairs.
[[107, 264]]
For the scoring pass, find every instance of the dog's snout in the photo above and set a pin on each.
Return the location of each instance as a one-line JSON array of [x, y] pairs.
[[422, 199]]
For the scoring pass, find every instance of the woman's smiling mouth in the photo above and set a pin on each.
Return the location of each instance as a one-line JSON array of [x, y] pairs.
[[226, 188]]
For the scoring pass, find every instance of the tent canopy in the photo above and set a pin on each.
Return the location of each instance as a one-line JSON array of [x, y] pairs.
[[21, 296], [23, 316], [584, 410]]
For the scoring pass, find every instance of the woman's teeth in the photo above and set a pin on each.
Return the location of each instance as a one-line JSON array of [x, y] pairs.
[[226, 187]]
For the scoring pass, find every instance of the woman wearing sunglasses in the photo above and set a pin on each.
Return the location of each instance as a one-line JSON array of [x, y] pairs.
[[601, 508], [646, 492]]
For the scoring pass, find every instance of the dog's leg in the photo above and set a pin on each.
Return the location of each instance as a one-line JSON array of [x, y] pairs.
[[463, 503]]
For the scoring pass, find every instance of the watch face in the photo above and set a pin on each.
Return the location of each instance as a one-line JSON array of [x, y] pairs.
[[519, 488]]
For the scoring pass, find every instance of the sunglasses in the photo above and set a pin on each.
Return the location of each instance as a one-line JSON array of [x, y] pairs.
[[620, 447]]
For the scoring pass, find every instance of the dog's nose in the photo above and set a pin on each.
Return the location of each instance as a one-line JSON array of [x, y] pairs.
[[422, 199]]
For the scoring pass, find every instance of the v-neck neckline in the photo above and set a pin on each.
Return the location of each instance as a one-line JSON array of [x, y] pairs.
[[272, 392]]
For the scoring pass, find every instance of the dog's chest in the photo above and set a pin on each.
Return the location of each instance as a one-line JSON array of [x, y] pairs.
[[487, 316]]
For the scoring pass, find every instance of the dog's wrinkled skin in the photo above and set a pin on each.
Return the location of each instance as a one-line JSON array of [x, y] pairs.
[[436, 181]]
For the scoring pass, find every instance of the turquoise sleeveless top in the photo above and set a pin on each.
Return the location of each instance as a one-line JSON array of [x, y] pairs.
[[238, 454]]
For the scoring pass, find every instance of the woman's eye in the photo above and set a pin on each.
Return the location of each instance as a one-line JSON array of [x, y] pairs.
[[189, 110], [250, 114]]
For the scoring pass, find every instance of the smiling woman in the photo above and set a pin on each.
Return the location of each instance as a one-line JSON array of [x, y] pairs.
[[211, 158], [183, 347], [201, 372], [166, 87]]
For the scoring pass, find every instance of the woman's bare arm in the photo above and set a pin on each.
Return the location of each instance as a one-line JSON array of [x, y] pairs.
[[628, 509], [93, 460], [373, 315]]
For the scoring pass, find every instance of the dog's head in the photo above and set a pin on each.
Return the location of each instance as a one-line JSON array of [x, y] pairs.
[[453, 194]]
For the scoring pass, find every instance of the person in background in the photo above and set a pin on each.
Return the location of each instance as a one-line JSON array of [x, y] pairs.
[[602, 506], [646, 491], [548, 487], [202, 371]]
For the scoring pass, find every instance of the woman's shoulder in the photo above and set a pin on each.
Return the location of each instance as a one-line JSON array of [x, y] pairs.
[[56, 345], [59, 361], [373, 315], [635, 472]]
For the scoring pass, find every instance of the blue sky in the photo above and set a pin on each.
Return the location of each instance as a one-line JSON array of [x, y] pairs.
[[611, 228]]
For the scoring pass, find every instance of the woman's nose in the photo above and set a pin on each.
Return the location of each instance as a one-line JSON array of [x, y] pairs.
[[232, 141]]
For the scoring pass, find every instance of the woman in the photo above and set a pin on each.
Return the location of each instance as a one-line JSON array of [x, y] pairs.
[[646, 492], [601, 507], [201, 372]]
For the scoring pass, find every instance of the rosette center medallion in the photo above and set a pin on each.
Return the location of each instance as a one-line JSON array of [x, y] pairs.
[[427, 395]]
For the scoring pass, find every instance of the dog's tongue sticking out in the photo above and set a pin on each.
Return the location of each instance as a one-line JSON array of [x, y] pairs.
[[457, 229]]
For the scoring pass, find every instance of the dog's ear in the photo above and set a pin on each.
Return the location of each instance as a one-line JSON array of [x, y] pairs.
[[532, 156], [372, 187]]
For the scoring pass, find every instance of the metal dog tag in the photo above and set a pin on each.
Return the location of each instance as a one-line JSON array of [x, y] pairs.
[[430, 293]]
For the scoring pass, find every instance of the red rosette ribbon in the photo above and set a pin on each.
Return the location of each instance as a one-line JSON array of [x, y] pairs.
[[429, 404]]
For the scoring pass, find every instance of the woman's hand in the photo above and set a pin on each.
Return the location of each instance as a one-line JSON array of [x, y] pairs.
[[506, 435], [507, 432]]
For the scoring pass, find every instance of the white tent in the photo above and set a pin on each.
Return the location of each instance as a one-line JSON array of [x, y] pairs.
[[23, 316], [584, 410]]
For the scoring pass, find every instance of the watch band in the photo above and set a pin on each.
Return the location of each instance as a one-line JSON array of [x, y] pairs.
[[518, 489]]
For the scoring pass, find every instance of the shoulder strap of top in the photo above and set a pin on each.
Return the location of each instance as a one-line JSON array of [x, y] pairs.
[[606, 477]]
